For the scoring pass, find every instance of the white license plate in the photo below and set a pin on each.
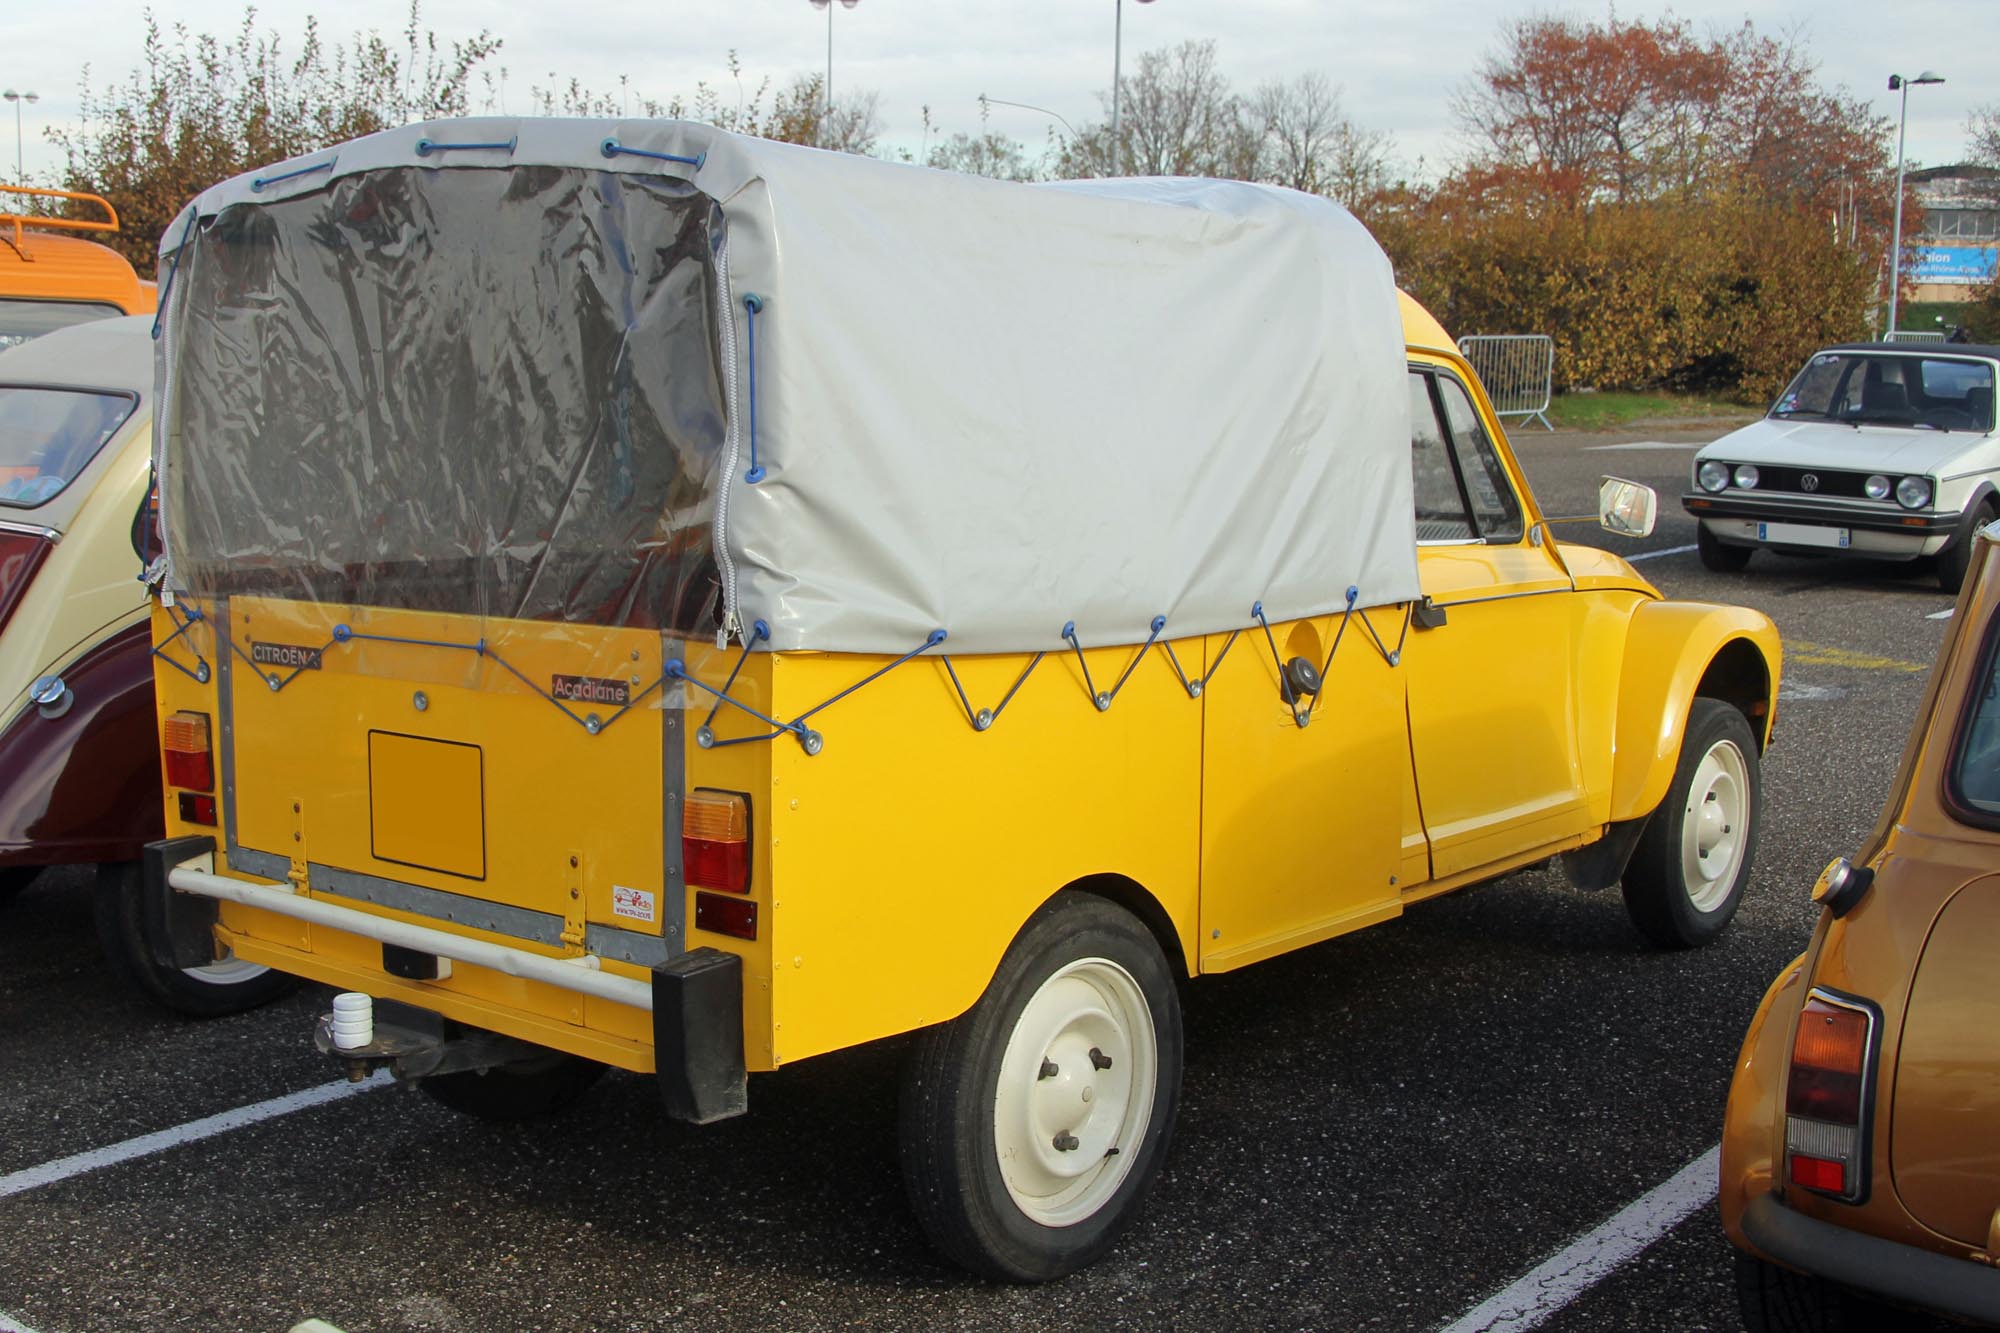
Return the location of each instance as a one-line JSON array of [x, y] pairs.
[[1801, 534]]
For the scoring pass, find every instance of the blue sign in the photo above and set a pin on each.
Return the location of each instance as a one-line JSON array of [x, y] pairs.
[[1953, 265]]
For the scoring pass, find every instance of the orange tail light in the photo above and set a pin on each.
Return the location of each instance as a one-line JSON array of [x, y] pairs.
[[184, 742]]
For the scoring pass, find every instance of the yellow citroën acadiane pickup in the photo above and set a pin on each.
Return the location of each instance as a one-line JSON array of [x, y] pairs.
[[639, 596]]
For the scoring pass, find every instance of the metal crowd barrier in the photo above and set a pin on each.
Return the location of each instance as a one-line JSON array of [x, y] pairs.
[[1518, 370]]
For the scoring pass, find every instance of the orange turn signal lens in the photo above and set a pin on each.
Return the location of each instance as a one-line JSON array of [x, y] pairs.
[[189, 761], [1829, 1060]]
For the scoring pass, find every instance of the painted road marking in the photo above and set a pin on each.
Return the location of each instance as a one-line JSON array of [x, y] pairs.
[[9, 1324], [1820, 654], [1639, 444], [194, 1131], [1590, 1258], [1941, 615], [1655, 555]]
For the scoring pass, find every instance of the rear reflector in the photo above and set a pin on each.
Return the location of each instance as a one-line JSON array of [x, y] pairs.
[[726, 916], [715, 840], [21, 554], [197, 808], [184, 742]]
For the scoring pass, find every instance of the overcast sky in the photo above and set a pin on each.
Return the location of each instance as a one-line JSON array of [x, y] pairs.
[[1396, 61]]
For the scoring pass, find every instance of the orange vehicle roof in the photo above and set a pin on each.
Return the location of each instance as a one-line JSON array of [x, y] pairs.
[[49, 267]]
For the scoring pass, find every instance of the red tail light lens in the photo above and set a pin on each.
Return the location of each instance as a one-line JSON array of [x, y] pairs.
[[715, 840], [184, 744], [21, 555]]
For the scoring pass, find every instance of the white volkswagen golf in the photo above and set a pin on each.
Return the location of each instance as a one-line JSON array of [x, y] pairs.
[[1884, 450]]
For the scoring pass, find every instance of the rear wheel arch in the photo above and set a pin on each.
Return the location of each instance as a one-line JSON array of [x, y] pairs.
[[1137, 899]]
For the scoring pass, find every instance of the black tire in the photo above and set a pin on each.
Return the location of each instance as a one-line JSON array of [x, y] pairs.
[[228, 987], [954, 1105], [1772, 1299], [1956, 559], [13, 879], [1668, 894], [1717, 555], [524, 1091]]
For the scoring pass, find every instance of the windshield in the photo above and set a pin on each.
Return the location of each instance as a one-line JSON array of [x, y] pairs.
[[47, 436], [490, 392], [22, 319], [1887, 389]]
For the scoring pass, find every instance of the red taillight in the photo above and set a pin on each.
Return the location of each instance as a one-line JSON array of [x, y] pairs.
[[184, 743], [1819, 1173], [21, 554], [715, 840], [1826, 1098], [726, 916]]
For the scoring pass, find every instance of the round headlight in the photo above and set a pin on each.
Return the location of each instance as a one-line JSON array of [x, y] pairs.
[[1876, 487], [1746, 476], [1913, 492], [1713, 476]]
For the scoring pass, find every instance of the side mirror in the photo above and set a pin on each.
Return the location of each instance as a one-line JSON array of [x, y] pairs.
[[1626, 507]]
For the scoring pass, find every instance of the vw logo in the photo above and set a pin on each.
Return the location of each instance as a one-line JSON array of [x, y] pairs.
[[1809, 482]]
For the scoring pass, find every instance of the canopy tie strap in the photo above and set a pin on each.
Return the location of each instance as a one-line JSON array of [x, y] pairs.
[[612, 148]]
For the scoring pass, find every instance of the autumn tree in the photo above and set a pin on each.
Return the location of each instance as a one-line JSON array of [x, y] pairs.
[[200, 109], [1310, 144]]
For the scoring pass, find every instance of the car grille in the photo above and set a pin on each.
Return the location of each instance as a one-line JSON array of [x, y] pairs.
[[1844, 485]]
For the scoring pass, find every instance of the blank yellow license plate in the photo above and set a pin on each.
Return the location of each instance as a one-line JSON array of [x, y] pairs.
[[427, 803]]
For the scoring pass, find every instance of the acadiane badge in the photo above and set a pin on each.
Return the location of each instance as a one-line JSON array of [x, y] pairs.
[[590, 690], [285, 655], [639, 904]]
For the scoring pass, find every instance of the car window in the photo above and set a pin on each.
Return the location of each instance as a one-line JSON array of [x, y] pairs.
[[1441, 506], [22, 319], [1494, 508], [47, 436], [1888, 389], [1975, 769]]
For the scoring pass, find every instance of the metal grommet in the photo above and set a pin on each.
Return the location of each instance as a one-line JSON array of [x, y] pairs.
[[420, 701], [983, 720], [704, 736]]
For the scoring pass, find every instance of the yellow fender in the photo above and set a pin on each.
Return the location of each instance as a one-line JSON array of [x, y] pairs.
[[1674, 651]]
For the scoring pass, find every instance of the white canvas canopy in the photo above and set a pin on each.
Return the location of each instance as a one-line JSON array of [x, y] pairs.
[[994, 408]]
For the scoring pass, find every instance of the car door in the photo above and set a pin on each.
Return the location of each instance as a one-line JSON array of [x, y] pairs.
[[1490, 659]]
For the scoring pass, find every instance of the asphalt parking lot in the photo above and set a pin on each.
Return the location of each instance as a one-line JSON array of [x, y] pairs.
[[1386, 1131]]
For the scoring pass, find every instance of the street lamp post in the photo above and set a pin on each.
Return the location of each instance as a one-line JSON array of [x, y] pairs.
[[1117, 51], [826, 102], [1898, 83], [20, 173]]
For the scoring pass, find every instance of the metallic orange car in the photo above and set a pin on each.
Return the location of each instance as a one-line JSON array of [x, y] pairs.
[[1860, 1158]]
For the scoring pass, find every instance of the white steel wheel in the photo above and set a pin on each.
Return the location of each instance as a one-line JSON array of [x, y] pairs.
[[1687, 872], [1075, 1092], [1715, 826], [1034, 1124]]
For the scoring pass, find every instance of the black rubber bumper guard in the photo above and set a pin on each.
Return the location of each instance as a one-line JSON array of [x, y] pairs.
[[1885, 1268]]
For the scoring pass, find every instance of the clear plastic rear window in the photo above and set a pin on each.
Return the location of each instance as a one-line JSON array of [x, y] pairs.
[[48, 436], [484, 391]]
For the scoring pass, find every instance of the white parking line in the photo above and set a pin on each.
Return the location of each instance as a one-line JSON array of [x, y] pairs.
[[1941, 615], [1655, 555], [1589, 1259], [1639, 444], [9, 1324], [146, 1145]]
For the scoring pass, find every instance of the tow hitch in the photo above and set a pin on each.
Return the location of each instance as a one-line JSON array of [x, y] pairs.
[[365, 1034]]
